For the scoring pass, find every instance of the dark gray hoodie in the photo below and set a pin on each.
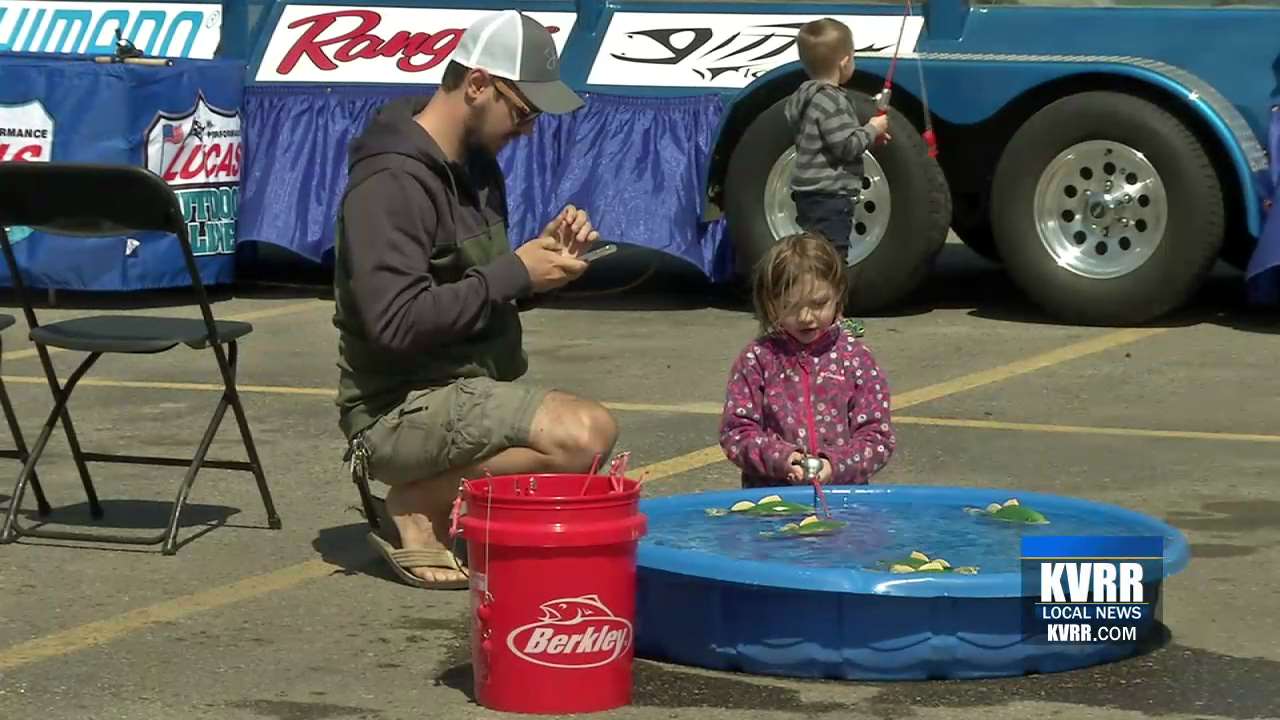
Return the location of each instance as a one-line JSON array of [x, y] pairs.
[[830, 139], [425, 283]]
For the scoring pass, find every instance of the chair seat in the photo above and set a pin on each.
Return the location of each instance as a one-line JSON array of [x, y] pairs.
[[134, 333], [6, 321]]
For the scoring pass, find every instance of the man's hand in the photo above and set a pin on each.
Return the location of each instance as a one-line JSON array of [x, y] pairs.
[[572, 229], [549, 267]]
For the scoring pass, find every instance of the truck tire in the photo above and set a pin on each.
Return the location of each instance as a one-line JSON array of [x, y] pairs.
[[976, 235], [971, 222], [1107, 210], [900, 223]]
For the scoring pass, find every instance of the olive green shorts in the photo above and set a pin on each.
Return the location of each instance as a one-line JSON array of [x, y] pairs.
[[439, 429]]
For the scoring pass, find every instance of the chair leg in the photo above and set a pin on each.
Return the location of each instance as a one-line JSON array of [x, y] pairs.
[[8, 532], [95, 507], [42, 504], [233, 397], [62, 395], [170, 545]]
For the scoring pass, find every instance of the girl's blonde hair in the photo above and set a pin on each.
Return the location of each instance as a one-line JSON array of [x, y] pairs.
[[791, 261]]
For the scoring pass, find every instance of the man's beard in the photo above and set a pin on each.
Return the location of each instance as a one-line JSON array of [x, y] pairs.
[[473, 129]]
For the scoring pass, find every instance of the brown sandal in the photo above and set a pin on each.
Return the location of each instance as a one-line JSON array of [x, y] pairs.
[[403, 560]]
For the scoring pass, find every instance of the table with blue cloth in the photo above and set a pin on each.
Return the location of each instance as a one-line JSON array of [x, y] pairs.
[[181, 120]]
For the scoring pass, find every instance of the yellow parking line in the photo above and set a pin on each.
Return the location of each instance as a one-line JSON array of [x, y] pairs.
[[1021, 367], [103, 631], [160, 385], [694, 408], [278, 310], [1084, 429]]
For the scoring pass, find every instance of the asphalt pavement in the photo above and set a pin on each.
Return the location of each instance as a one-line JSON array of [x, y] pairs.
[[1177, 420]]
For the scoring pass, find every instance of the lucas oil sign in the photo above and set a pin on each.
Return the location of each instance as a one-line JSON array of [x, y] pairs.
[[575, 633], [198, 153]]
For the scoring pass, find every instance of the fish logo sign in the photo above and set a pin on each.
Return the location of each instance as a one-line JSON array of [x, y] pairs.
[[575, 633]]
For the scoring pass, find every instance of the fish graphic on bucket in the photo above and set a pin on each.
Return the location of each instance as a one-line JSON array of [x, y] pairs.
[[579, 632], [552, 560]]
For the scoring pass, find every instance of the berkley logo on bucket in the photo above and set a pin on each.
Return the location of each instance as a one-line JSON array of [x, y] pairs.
[[580, 632]]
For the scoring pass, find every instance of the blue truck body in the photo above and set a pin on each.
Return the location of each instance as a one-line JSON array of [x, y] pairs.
[[978, 59], [985, 68]]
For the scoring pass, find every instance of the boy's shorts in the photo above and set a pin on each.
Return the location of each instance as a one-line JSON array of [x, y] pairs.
[[438, 429], [827, 213]]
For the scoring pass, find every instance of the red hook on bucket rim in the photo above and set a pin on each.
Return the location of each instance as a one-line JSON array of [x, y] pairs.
[[455, 513]]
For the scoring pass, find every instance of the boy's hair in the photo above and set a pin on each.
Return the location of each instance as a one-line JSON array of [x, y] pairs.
[[789, 262], [823, 44]]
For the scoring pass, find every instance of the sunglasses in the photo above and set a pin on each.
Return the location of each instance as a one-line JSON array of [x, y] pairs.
[[525, 115]]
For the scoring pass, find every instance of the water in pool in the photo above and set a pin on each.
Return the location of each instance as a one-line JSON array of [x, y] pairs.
[[878, 532]]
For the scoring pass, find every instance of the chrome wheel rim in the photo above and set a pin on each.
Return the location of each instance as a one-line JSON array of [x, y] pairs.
[[1101, 209], [870, 215]]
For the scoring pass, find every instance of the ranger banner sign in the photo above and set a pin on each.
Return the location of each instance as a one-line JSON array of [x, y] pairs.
[[339, 44]]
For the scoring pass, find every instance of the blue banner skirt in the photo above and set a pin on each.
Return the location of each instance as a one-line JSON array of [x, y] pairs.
[[636, 164], [181, 122]]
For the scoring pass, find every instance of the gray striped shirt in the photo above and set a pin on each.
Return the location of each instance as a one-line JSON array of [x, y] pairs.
[[829, 138]]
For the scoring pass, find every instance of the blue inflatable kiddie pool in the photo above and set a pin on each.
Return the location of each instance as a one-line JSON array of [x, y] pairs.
[[712, 593]]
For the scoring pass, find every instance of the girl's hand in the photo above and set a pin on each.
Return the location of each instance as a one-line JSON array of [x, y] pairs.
[[795, 475], [824, 476]]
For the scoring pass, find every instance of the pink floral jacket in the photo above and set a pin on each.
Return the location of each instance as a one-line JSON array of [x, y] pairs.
[[828, 399]]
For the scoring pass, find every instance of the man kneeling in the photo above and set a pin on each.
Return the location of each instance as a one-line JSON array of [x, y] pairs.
[[426, 286]]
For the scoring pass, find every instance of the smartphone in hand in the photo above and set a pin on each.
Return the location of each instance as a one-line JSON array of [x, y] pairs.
[[599, 252]]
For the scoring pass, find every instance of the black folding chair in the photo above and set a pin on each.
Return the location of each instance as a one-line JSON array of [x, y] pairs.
[[102, 200], [20, 446]]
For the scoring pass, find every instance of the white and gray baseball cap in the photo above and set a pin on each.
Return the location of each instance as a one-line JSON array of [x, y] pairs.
[[514, 46]]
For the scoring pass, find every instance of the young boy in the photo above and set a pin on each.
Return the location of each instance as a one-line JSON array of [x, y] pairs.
[[829, 139]]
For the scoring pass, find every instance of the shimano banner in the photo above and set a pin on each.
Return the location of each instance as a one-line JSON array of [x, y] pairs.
[[158, 29]]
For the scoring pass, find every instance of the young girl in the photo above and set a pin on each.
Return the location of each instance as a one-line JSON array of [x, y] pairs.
[[807, 385]]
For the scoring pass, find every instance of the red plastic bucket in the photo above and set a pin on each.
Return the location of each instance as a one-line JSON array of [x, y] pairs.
[[552, 560]]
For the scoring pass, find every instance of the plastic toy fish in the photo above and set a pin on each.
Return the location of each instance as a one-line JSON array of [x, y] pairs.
[[1010, 511], [919, 562], [808, 527], [769, 506]]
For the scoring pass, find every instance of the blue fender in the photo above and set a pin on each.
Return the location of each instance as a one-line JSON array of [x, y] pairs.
[[759, 94], [969, 89]]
